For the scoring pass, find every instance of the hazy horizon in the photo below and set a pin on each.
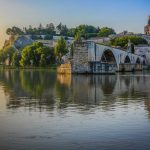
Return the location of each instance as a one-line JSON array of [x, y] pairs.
[[119, 15]]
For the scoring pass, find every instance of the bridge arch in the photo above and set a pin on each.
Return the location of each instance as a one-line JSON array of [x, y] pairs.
[[138, 61], [127, 60], [144, 62], [108, 56], [144, 56]]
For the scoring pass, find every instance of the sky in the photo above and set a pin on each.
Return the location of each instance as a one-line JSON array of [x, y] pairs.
[[121, 15]]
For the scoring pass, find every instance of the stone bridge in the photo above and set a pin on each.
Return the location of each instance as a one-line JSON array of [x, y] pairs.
[[122, 60], [90, 57]]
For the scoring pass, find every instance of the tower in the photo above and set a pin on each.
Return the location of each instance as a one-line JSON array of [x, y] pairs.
[[148, 20], [147, 27]]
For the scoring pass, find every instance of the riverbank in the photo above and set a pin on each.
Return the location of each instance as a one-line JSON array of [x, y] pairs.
[[54, 67]]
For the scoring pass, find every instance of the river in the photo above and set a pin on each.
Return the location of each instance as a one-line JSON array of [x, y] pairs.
[[41, 110]]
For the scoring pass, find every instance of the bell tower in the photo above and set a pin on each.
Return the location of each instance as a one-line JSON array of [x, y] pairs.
[[147, 27], [148, 20]]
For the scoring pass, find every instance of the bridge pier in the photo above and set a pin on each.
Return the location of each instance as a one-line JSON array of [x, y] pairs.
[[130, 67], [102, 68]]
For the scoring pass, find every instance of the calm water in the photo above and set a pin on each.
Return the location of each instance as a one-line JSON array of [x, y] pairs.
[[40, 110]]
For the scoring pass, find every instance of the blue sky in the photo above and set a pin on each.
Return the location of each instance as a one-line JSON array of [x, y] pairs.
[[121, 15]]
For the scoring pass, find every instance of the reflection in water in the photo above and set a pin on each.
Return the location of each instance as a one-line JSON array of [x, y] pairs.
[[44, 88], [28, 88], [69, 112]]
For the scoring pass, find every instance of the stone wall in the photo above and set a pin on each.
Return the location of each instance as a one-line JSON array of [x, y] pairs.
[[80, 62]]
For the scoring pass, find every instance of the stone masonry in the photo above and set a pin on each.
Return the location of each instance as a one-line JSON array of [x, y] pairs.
[[78, 63], [80, 60]]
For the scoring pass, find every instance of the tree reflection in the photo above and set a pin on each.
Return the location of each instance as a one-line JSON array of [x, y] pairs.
[[47, 90], [28, 87]]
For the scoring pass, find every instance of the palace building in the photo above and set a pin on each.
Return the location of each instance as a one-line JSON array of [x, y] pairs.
[[147, 27]]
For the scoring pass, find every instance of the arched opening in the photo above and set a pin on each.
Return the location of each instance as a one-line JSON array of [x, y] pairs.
[[127, 60], [127, 65], [139, 64], [107, 63], [144, 56], [138, 61], [144, 62], [108, 57]]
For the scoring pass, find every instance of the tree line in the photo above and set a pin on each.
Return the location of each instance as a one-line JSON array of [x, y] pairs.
[[36, 55], [86, 31], [123, 41]]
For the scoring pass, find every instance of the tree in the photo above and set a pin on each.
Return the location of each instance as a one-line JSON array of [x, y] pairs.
[[40, 29], [16, 59], [105, 32], [86, 31], [78, 37], [50, 29], [14, 31], [37, 55], [60, 49], [7, 53], [27, 56], [9, 31], [43, 60], [71, 32], [62, 29], [2, 57], [123, 41], [40, 26], [59, 27]]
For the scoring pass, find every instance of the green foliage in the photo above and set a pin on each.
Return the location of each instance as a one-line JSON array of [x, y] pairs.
[[60, 49], [43, 60], [63, 30], [14, 31], [27, 55], [105, 32], [7, 53], [2, 59], [78, 37], [35, 54], [71, 32], [123, 41], [50, 29], [16, 59], [86, 31]]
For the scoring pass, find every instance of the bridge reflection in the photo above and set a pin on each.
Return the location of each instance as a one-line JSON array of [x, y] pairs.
[[47, 91]]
